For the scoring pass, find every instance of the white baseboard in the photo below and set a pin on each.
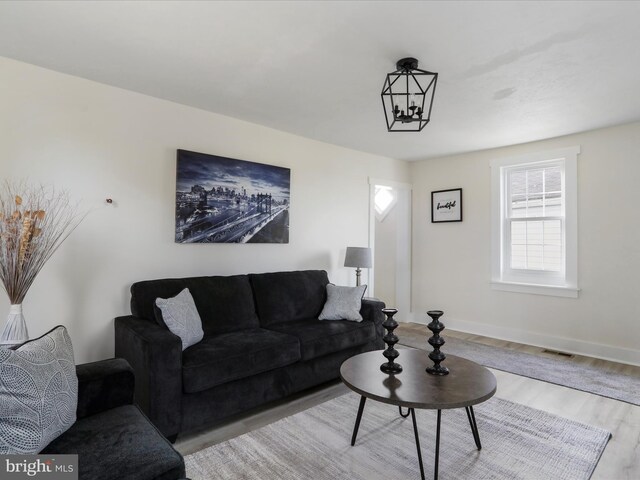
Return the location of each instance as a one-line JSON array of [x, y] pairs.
[[579, 347]]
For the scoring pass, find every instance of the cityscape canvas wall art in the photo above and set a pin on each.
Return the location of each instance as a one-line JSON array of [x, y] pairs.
[[224, 200]]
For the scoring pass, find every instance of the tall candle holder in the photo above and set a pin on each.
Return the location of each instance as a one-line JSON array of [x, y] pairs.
[[436, 341], [390, 339]]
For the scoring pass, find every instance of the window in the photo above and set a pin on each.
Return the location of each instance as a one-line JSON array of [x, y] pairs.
[[535, 223], [384, 200]]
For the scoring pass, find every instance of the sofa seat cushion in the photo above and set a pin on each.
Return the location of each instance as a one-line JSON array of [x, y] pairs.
[[119, 443], [319, 338], [222, 358]]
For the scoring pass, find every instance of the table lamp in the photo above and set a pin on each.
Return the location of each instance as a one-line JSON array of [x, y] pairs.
[[358, 257]]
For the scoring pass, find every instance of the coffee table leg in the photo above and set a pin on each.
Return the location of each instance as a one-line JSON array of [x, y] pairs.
[[358, 418], [402, 414], [435, 468], [474, 426], [415, 432]]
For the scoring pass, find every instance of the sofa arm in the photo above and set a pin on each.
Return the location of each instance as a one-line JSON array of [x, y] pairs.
[[371, 309], [104, 385], [156, 357]]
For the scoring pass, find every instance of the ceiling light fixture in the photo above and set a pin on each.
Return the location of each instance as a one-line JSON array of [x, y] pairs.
[[405, 94]]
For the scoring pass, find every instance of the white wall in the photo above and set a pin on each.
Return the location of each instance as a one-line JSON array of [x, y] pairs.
[[452, 264], [98, 142]]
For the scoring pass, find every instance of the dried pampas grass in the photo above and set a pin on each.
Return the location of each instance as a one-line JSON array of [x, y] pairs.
[[34, 221]]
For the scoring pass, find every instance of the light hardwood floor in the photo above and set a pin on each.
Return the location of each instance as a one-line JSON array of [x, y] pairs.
[[621, 458]]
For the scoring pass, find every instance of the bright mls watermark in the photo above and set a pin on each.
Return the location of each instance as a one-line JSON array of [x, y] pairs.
[[50, 467]]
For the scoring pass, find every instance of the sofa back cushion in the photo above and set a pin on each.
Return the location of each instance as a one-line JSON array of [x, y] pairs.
[[225, 304], [289, 296]]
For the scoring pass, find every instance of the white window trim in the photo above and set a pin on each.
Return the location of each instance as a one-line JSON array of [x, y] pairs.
[[570, 286]]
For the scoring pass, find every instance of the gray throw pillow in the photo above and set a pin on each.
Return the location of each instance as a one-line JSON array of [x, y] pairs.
[[181, 317], [343, 303], [38, 393]]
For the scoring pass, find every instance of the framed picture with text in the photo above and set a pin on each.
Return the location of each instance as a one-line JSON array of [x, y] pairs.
[[446, 206]]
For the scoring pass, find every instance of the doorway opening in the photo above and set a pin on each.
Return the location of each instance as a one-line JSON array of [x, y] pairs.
[[390, 243]]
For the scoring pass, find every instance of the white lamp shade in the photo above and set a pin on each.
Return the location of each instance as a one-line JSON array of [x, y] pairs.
[[358, 257]]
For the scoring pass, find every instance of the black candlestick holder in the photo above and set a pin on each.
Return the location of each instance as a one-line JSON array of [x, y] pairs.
[[436, 341], [390, 339]]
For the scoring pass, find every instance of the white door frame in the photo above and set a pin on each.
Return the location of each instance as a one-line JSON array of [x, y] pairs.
[[403, 245]]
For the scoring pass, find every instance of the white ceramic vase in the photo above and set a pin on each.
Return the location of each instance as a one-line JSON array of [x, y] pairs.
[[15, 330]]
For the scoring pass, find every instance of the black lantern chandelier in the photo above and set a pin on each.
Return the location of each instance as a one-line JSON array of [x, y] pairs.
[[407, 96]]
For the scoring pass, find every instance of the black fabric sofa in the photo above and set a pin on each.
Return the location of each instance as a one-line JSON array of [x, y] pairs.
[[262, 341], [112, 437]]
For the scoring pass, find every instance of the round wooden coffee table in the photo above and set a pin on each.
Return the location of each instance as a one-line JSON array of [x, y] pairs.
[[466, 385]]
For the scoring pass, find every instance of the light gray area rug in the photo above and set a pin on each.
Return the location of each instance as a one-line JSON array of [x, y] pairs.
[[596, 380], [518, 442]]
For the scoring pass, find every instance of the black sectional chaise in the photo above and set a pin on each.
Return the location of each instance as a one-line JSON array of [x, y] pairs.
[[262, 341], [112, 437]]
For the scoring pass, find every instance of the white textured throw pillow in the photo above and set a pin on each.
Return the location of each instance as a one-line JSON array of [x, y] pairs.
[[343, 303], [38, 393], [181, 317]]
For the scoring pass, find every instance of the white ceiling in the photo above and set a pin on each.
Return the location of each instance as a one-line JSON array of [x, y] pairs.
[[509, 72]]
